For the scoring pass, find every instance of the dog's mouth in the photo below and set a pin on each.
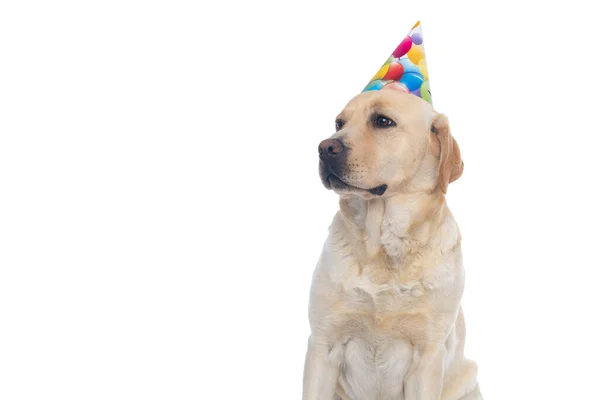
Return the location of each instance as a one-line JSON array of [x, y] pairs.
[[332, 181]]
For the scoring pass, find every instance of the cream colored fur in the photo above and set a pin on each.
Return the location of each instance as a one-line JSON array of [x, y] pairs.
[[385, 315]]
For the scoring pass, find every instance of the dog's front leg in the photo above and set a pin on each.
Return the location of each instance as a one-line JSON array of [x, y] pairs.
[[321, 370], [425, 376]]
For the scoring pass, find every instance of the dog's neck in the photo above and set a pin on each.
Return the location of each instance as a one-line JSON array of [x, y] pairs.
[[396, 224]]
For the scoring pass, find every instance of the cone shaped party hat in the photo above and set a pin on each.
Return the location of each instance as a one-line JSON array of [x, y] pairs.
[[406, 68]]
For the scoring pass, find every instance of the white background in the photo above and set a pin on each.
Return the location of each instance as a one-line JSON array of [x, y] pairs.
[[161, 212]]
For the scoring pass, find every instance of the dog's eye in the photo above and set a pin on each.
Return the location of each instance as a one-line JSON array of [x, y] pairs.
[[381, 121], [339, 124]]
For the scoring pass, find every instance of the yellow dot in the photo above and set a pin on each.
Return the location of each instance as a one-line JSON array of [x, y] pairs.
[[423, 69], [415, 54], [381, 73]]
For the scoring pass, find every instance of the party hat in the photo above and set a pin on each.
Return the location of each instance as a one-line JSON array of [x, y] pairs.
[[406, 68]]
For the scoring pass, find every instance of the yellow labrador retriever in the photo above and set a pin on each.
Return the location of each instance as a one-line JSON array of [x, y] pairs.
[[385, 315]]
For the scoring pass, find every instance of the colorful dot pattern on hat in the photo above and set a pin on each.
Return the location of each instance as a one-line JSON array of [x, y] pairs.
[[406, 68]]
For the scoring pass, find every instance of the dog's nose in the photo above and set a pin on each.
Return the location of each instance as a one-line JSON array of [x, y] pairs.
[[329, 148]]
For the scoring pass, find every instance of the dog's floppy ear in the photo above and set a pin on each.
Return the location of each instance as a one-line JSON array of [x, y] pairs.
[[451, 165]]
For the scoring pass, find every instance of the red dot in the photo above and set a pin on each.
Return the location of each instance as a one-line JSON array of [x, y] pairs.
[[403, 47], [394, 72]]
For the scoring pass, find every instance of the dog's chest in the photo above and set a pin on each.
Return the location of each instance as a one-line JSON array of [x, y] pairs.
[[381, 302]]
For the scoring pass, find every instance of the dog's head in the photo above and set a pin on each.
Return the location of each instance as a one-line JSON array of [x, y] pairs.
[[387, 142]]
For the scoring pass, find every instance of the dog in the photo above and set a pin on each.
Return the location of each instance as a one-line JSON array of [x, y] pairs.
[[385, 314]]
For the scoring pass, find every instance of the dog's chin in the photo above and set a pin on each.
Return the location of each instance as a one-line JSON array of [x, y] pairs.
[[340, 187]]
